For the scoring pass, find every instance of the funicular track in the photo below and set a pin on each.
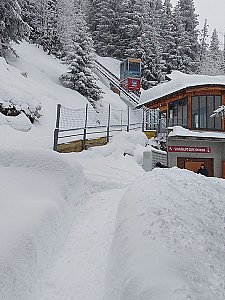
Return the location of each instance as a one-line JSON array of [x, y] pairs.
[[113, 79]]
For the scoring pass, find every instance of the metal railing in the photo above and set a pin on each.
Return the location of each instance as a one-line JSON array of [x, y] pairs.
[[86, 123]]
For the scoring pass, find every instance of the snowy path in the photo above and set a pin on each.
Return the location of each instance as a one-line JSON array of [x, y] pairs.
[[79, 273]]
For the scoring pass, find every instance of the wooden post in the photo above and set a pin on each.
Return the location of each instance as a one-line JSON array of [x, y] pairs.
[[128, 118], [189, 112], [143, 119], [108, 125], [85, 128], [56, 131]]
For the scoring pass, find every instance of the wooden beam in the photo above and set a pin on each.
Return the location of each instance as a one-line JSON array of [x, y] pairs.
[[189, 112]]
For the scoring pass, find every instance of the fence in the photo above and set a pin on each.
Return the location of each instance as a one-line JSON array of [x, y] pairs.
[[86, 123]]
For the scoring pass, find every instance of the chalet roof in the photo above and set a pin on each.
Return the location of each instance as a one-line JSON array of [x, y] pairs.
[[179, 81]]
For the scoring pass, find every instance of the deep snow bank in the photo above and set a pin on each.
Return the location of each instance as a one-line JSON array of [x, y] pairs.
[[123, 143], [39, 193], [169, 239]]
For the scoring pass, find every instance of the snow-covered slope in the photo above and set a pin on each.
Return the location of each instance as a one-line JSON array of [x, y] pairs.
[[31, 80], [113, 65]]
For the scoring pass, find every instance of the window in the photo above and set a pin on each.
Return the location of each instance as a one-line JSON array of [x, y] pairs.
[[202, 108], [202, 112], [178, 113], [210, 109], [218, 120], [134, 69], [122, 70], [195, 113]]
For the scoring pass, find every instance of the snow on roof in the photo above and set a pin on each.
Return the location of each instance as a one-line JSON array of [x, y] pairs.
[[180, 131], [179, 81]]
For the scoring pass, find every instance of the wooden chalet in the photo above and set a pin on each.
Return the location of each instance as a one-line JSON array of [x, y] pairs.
[[188, 101]]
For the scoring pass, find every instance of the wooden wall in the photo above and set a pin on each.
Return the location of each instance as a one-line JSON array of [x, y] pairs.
[[164, 102]]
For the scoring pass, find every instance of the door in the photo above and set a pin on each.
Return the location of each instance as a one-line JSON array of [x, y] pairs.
[[223, 169], [193, 164]]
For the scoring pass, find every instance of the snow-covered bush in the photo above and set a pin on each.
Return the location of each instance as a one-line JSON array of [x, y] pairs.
[[10, 109]]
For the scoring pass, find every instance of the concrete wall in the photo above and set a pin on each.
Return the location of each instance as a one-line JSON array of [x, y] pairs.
[[217, 152], [223, 152], [151, 157]]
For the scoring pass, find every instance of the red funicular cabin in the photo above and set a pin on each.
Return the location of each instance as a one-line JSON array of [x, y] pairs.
[[130, 74]]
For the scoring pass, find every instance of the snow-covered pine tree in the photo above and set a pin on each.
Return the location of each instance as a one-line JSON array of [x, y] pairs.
[[12, 27], [42, 17], [177, 54], [102, 20], [79, 54], [50, 40], [190, 22], [153, 66], [203, 41], [167, 40], [33, 12], [132, 29], [213, 63]]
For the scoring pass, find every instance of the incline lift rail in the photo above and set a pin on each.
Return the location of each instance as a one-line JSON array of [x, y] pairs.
[[116, 82]]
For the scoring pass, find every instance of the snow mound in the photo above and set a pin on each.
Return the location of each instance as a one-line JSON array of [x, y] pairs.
[[123, 143], [169, 244], [180, 131], [15, 90], [39, 193], [20, 122]]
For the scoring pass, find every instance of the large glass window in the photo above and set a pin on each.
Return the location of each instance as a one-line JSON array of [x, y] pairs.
[[218, 120], [178, 113], [202, 112], [195, 114], [202, 108], [210, 109]]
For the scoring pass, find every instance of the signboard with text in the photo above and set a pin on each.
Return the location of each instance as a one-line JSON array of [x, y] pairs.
[[189, 149]]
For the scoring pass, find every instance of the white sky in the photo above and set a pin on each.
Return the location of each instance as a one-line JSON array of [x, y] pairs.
[[213, 11]]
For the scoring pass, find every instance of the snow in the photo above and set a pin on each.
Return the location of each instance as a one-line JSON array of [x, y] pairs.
[[112, 64], [39, 194], [94, 225], [169, 243], [180, 131], [179, 81], [40, 86], [20, 122]]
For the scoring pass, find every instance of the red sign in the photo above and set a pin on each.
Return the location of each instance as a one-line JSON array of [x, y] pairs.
[[189, 149]]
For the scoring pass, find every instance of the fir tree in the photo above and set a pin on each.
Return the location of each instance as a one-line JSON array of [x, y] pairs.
[[153, 65], [79, 56], [50, 40], [178, 58], [203, 42], [190, 22], [12, 27], [167, 41], [213, 63]]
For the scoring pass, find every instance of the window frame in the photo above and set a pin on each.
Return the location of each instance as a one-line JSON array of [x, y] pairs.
[[207, 101]]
